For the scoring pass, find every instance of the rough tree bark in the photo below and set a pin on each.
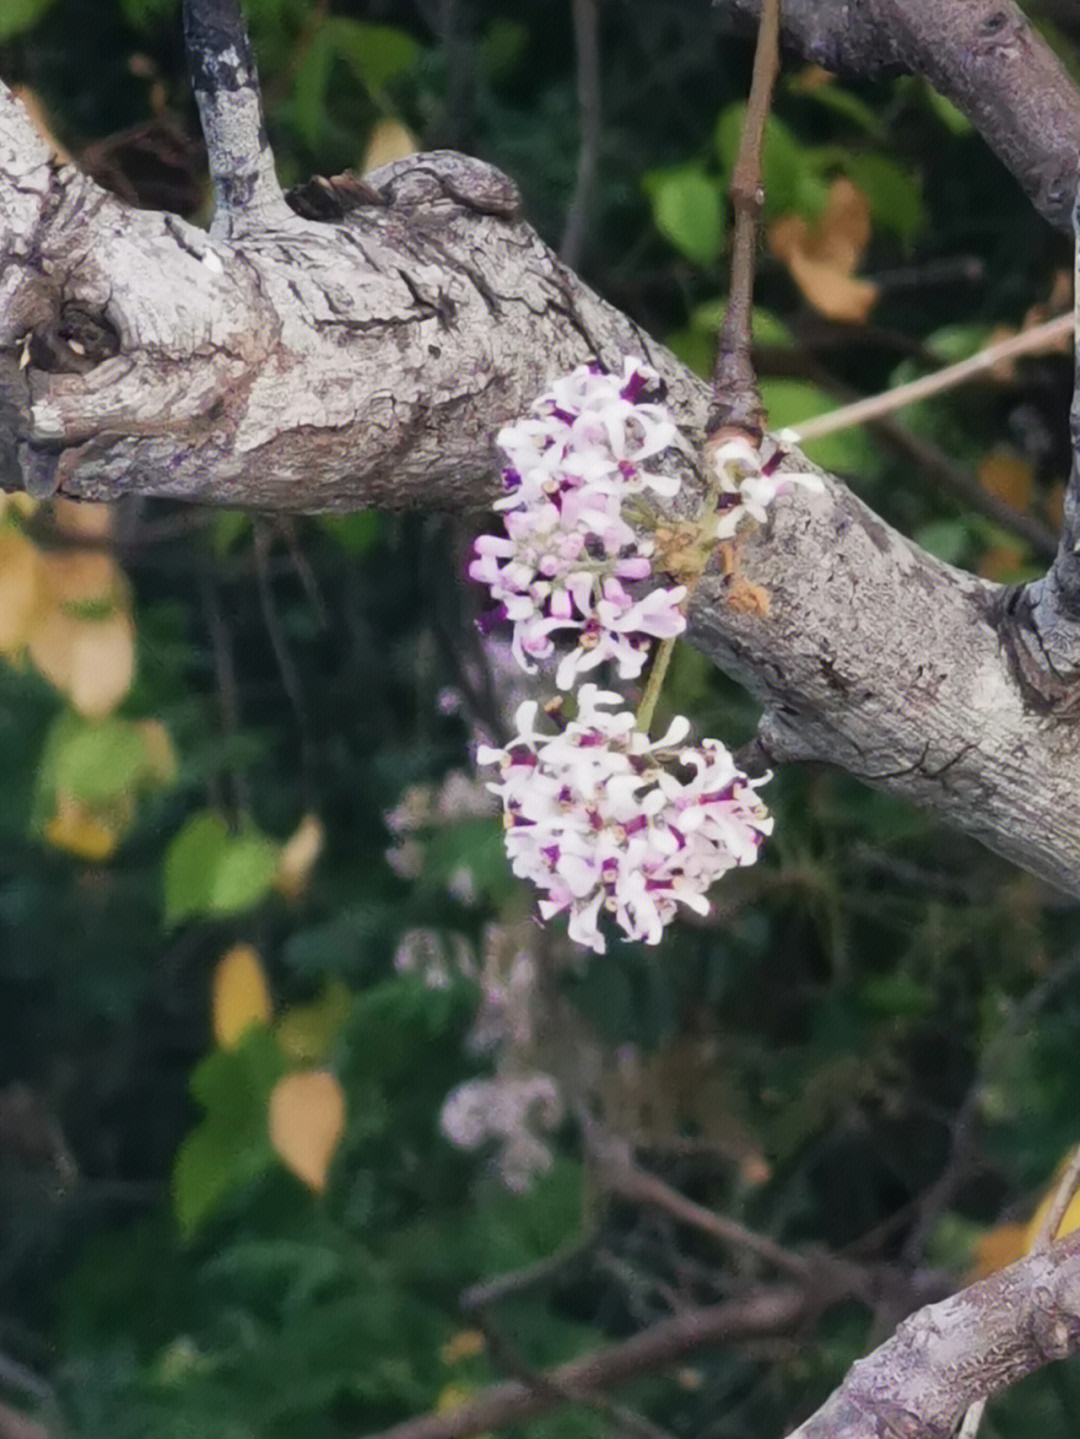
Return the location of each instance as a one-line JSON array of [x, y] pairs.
[[369, 358]]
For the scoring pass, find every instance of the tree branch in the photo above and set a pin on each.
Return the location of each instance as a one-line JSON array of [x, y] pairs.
[[983, 55], [763, 1313], [942, 1359], [371, 359], [248, 196]]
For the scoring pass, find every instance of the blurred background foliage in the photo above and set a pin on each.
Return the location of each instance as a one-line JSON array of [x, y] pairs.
[[243, 902]]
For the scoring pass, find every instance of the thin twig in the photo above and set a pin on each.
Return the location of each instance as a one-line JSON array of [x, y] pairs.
[[736, 397], [586, 15], [759, 1314], [639, 1186], [929, 459], [291, 682], [1063, 1196], [1036, 340], [224, 664]]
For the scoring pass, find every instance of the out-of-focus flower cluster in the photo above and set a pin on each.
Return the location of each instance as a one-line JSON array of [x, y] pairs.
[[509, 1110], [749, 484], [605, 821], [569, 555], [514, 1109]]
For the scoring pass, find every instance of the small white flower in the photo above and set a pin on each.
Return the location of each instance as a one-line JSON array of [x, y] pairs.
[[749, 485]]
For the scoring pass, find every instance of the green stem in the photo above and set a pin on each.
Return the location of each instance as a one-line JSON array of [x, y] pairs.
[[653, 686]]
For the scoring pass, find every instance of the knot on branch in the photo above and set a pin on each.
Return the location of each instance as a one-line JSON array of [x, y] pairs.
[[426, 179], [1049, 686]]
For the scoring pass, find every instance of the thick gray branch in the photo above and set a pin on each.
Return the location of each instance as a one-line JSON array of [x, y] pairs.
[[371, 361], [983, 55], [918, 1384]]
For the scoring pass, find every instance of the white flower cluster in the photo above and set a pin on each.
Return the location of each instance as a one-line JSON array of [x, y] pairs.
[[508, 1110], [605, 821], [749, 485], [569, 553]]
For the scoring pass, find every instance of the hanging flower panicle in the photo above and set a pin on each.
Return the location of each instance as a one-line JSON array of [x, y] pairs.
[[569, 557], [606, 821]]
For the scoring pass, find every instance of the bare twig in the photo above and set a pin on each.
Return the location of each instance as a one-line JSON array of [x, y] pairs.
[[1035, 341], [1067, 1187], [983, 55], [928, 460], [759, 1314], [736, 398], [637, 1185], [586, 15]]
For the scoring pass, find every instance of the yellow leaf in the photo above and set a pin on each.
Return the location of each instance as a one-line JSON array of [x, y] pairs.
[[389, 140], [92, 661], [306, 1031], [822, 257], [298, 856], [240, 995], [84, 519], [161, 762], [77, 828], [20, 589], [1008, 476], [1006, 1243], [307, 1120], [465, 1344]]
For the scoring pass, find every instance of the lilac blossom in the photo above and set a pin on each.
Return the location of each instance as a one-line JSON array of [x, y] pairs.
[[569, 554], [509, 1110], [607, 822], [749, 484]]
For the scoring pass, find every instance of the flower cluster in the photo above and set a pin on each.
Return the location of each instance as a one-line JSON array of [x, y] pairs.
[[605, 821], [509, 1110], [569, 555], [748, 485]]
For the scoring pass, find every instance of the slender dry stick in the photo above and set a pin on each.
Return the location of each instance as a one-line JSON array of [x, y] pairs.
[[1029, 342], [736, 397], [586, 15], [641, 1187]]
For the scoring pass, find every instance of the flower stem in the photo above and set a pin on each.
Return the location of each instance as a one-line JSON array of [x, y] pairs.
[[653, 685]]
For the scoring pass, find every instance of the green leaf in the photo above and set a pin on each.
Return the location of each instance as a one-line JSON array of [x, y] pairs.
[[949, 540], [789, 402], [191, 864], [19, 15], [795, 175], [100, 762], [227, 528], [842, 102], [893, 192], [687, 210], [501, 48], [376, 54], [356, 533], [244, 873], [230, 1148]]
